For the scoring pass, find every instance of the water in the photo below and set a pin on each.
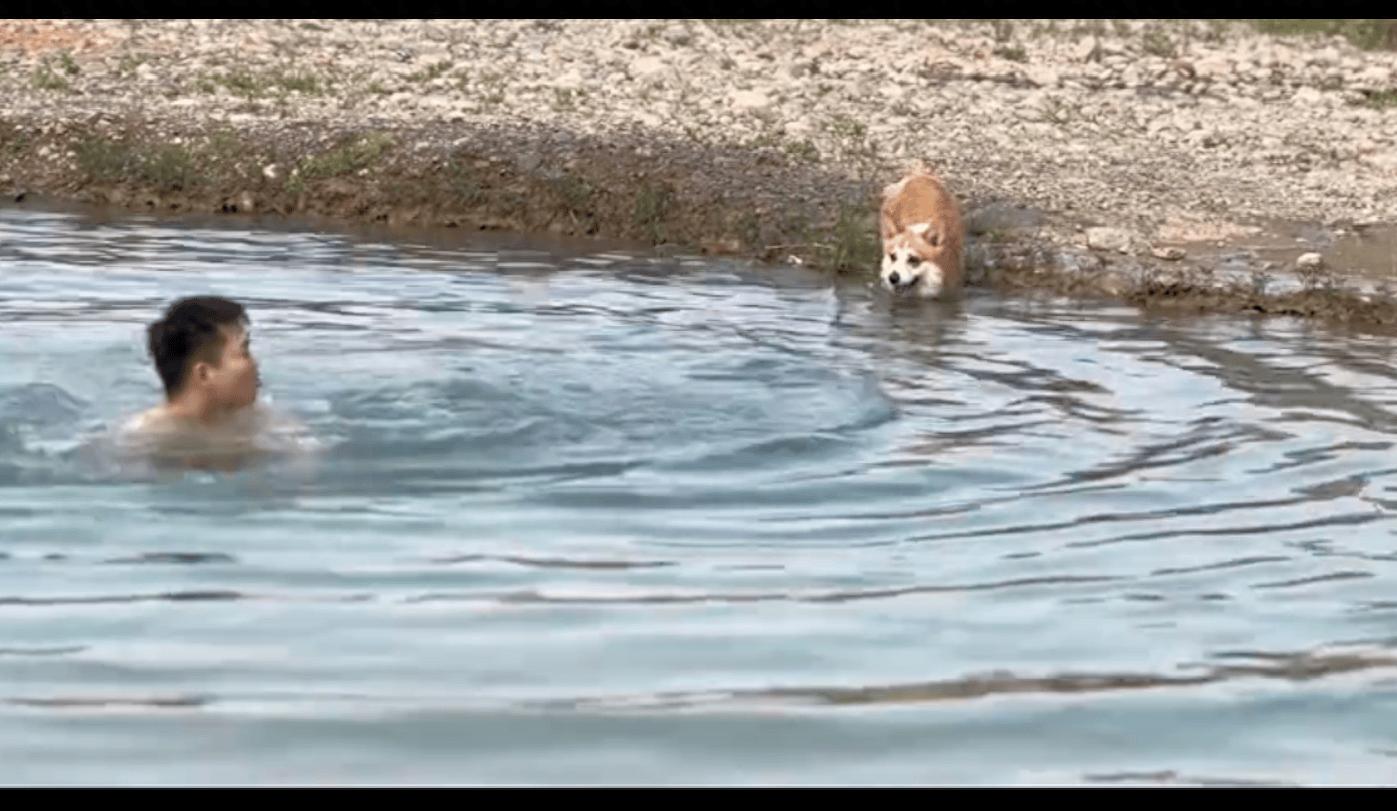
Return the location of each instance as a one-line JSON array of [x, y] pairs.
[[588, 516]]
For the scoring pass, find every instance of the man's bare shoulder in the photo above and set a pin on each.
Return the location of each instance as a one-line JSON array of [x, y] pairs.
[[152, 421], [258, 432]]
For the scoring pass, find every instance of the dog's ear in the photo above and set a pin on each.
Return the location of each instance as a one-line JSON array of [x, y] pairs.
[[927, 232]]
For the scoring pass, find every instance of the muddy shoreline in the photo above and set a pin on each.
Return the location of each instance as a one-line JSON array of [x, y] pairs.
[[1167, 167]]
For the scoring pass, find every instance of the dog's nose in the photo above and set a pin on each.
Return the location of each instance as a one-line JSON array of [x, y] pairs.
[[893, 277]]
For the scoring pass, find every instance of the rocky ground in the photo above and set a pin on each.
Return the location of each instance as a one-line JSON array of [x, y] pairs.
[[1134, 159]]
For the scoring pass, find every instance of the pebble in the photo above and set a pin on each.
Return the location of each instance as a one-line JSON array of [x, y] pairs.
[[1111, 239]]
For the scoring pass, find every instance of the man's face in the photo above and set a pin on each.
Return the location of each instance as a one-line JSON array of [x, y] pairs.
[[233, 381]]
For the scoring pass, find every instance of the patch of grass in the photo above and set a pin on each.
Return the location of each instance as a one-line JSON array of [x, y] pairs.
[[464, 179], [351, 157], [1381, 99], [166, 166], [1369, 35], [170, 166], [1014, 53], [1157, 43], [106, 161], [128, 63], [847, 131], [279, 80], [854, 243], [298, 80], [577, 194], [748, 228], [46, 79], [66, 61], [763, 140], [243, 82], [562, 99], [15, 142], [803, 150], [1001, 30], [737, 27], [1216, 30], [490, 89], [649, 211], [851, 144], [1093, 28], [223, 150], [430, 72]]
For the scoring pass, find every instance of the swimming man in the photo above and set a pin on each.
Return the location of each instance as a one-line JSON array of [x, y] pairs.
[[210, 419]]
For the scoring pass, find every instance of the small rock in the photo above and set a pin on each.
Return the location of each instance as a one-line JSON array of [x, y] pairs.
[[1309, 261], [1184, 69], [1169, 254], [1079, 263], [648, 69], [1213, 69], [1376, 77], [270, 171], [1088, 50], [1307, 95], [1042, 75], [1386, 160], [1111, 239], [748, 100]]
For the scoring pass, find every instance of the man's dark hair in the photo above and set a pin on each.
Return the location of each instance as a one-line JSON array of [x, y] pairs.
[[190, 332]]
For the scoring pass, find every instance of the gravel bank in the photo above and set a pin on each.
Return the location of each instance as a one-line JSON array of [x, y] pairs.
[[1092, 156]]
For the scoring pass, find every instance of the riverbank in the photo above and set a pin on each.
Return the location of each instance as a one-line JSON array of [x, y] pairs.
[[1150, 161]]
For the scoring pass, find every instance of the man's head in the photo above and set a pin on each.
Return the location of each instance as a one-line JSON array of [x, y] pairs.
[[203, 342]]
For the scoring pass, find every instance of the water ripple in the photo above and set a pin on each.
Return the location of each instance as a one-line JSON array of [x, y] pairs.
[[562, 469]]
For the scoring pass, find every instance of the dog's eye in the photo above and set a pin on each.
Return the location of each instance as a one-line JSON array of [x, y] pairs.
[[913, 261], [935, 240], [892, 257]]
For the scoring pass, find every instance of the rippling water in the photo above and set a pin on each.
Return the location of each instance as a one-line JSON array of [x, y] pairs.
[[595, 517]]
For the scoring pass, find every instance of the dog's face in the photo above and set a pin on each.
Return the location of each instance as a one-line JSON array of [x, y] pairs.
[[912, 261]]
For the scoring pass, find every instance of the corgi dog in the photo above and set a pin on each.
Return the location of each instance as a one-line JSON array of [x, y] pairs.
[[923, 236]]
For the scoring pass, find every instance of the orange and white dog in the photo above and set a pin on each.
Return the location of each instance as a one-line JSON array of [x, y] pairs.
[[923, 236]]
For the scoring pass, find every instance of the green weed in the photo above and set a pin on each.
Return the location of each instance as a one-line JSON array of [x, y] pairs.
[[854, 243], [46, 79], [1368, 35], [351, 157], [648, 213], [430, 72], [106, 161]]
